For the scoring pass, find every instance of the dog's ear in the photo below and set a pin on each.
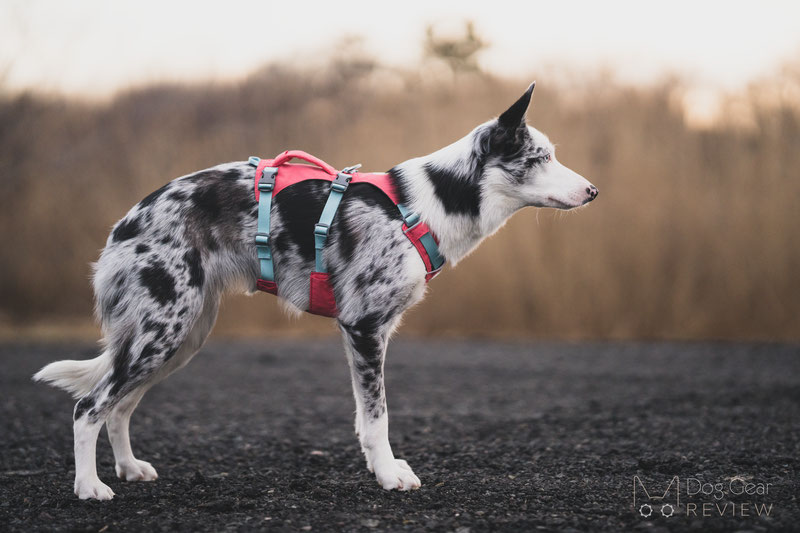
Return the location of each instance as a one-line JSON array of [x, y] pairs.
[[514, 117]]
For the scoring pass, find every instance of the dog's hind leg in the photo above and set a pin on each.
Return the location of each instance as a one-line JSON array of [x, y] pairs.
[[127, 466], [143, 355], [365, 344]]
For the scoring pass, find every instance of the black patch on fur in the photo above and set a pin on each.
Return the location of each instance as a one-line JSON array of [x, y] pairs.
[[195, 265], [182, 311], [459, 194], [367, 341], [299, 206], [126, 229], [232, 174], [154, 326], [211, 242], [142, 248], [377, 275], [345, 237], [148, 352], [158, 282], [218, 207], [207, 201], [153, 196], [361, 281], [85, 403], [120, 366], [177, 196], [506, 146], [373, 197], [364, 333]]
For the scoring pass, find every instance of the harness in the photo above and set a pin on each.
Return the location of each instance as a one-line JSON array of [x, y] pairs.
[[274, 175]]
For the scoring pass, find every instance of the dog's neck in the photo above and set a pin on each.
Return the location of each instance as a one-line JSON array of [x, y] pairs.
[[449, 189]]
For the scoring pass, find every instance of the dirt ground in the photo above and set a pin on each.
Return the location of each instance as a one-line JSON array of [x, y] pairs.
[[504, 436]]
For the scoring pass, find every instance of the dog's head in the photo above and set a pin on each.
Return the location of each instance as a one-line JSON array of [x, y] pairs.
[[519, 162]]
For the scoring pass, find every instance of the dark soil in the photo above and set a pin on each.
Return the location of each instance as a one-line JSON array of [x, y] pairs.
[[514, 437]]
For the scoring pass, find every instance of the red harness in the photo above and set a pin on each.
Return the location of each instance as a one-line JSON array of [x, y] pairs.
[[321, 298]]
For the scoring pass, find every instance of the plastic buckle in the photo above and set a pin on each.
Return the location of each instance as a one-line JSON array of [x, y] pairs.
[[267, 181], [262, 239], [411, 220], [341, 182], [253, 160], [321, 229]]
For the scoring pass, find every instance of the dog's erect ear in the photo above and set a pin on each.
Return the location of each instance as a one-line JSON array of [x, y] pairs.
[[514, 117]]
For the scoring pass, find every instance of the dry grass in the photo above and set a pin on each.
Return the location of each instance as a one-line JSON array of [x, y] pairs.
[[694, 235]]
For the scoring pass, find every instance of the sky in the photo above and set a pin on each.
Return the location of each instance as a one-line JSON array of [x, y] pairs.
[[95, 47]]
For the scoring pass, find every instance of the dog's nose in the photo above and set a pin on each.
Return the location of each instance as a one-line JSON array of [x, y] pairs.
[[591, 190]]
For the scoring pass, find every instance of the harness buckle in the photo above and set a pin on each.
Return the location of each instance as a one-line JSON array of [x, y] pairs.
[[262, 239], [411, 220], [253, 160], [267, 181], [341, 181], [321, 229]]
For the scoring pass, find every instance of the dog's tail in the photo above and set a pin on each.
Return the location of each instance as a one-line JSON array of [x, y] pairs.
[[76, 377]]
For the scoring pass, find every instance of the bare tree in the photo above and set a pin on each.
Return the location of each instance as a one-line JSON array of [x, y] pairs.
[[459, 53]]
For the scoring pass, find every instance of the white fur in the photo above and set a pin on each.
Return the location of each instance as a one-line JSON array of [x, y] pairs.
[[75, 377]]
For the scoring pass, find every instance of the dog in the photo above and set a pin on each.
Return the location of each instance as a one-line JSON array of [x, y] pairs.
[[159, 279]]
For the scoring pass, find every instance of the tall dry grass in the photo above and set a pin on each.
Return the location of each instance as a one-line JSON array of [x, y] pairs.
[[694, 234]]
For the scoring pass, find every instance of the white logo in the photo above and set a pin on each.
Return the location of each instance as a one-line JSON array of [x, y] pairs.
[[665, 502]]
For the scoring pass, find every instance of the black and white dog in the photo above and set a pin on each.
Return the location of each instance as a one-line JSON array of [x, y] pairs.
[[166, 264]]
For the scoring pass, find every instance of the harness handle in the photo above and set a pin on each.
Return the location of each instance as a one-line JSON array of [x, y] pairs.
[[299, 154]]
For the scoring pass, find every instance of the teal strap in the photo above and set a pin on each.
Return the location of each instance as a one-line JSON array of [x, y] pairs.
[[265, 187], [338, 187], [428, 242]]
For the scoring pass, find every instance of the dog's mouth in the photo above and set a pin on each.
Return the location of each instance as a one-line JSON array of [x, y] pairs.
[[559, 204]]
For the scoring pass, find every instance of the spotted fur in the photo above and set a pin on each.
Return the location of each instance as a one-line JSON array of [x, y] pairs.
[[166, 264]]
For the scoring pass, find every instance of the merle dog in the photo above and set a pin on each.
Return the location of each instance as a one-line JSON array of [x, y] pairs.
[[166, 264]]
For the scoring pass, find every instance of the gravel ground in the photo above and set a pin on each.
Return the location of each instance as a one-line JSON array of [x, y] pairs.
[[504, 436]]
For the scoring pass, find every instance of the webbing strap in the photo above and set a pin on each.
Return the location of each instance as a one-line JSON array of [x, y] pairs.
[[265, 187], [338, 187], [426, 239]]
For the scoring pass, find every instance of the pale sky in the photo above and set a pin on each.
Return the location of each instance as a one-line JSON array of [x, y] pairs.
[[95, 47]]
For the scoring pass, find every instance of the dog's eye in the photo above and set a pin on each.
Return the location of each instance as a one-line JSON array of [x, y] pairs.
[[548, 158]]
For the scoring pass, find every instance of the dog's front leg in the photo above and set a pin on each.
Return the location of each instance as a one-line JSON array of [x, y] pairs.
[[365, 345]]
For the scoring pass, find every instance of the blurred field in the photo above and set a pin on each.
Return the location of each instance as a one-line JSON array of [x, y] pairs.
[[696, 233]]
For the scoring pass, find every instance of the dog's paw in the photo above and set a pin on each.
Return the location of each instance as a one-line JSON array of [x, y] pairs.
[[93, 489], [396, 475], [136, 471]]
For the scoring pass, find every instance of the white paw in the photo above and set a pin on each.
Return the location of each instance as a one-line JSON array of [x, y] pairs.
[[136, 471], [93, 489], [396, 475]]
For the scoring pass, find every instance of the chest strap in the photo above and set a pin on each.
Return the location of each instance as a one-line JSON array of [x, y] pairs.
[[266, 186], [338, 187], [422, 238]]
